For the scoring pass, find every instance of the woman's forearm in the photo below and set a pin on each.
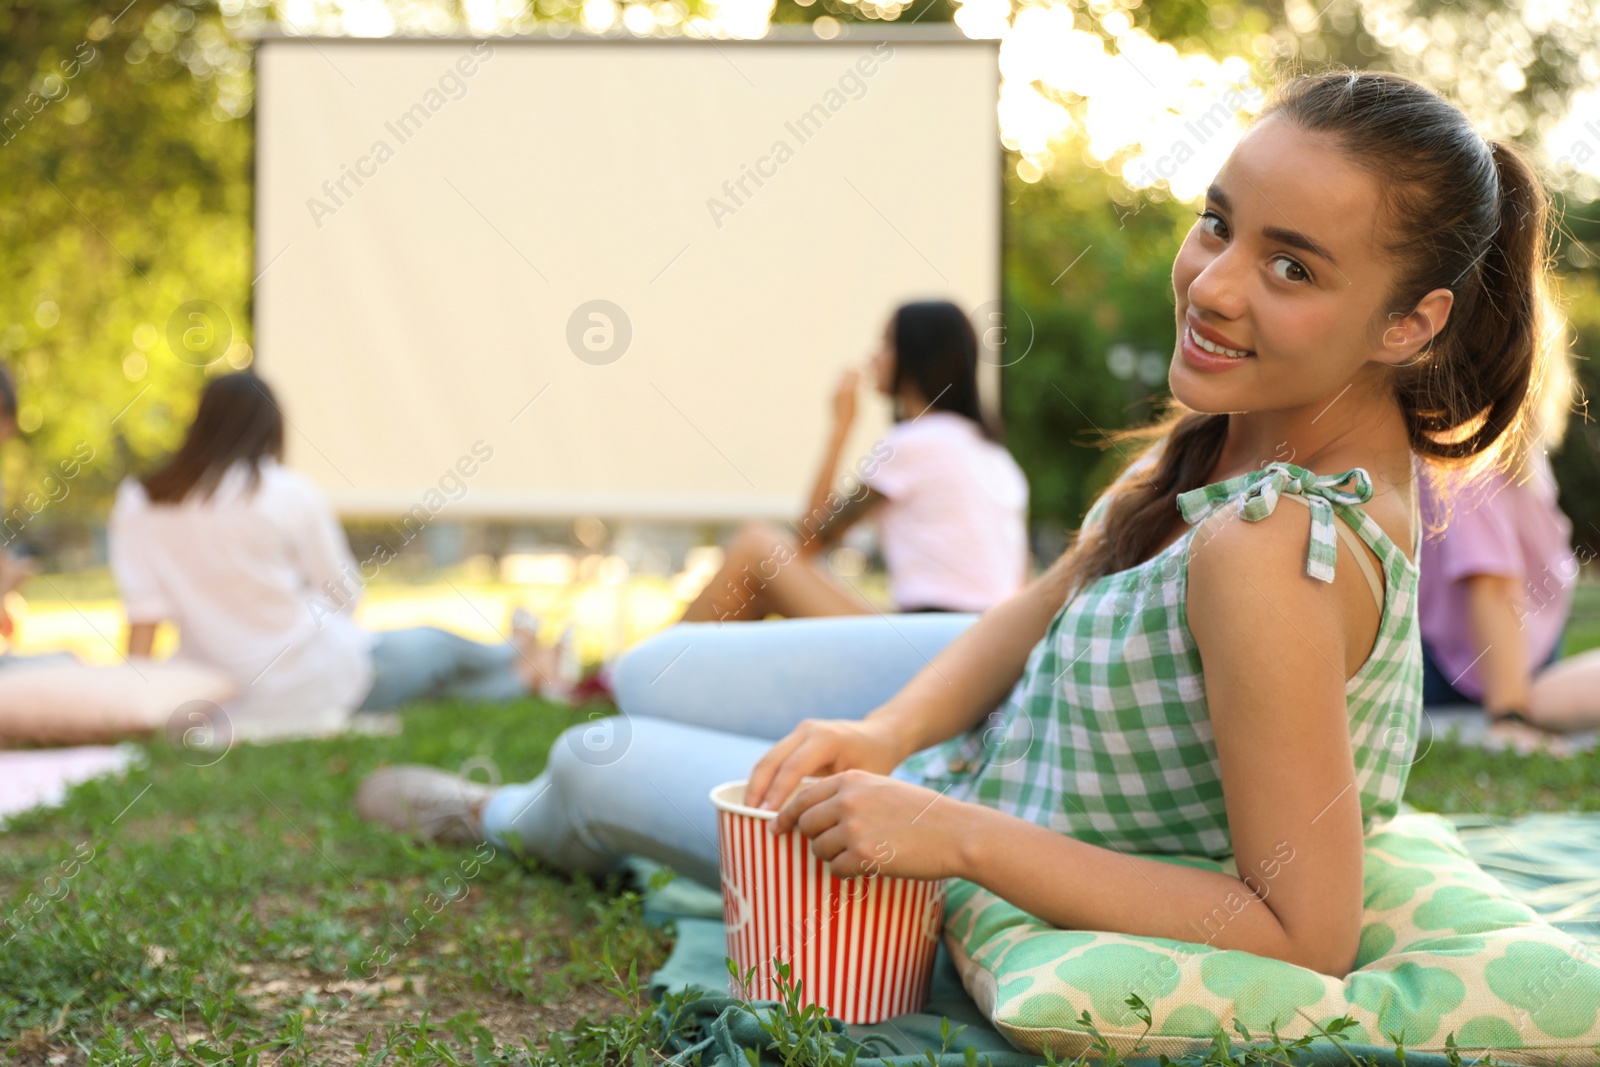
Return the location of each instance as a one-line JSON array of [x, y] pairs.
[[971, 675], [1493, 602], [1075, 885], [817, 508]]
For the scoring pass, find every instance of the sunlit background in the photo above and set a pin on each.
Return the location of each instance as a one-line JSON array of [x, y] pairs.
[[129, 191], [1089, 83]]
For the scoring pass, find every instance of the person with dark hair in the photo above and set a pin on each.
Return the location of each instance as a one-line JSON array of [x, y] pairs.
[[950, 502], [1208, 670], [241, 553], [13, 570], [8, 404]]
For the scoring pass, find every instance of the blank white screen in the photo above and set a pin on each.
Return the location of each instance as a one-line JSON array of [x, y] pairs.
[[409, 315]]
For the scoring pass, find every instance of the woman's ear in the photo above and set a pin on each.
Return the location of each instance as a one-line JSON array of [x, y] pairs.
[[1408, 338]]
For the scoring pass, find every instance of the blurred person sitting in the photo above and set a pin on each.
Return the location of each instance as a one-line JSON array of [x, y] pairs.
[[950, 502], [241, 554], [14, 570], [1497, 575]]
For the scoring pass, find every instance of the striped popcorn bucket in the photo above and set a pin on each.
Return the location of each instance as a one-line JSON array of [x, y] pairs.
[[861, 948]]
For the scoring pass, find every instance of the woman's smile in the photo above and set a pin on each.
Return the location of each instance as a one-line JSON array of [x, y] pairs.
[[1207, 355]]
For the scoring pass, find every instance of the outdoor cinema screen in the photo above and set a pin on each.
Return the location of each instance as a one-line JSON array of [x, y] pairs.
[[627, 271]]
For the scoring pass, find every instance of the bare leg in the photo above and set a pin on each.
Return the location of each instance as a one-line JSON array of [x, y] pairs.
[[1566, 694], [537, 664], [764, 574]]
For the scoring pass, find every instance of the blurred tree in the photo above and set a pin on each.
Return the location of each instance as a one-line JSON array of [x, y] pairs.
[[1577, 461], [124, 136], [1083, 273], [122, 143], [1514, 70]]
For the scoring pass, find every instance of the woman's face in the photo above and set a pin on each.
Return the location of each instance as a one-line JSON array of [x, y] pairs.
[[883, 361], [1284, 265]]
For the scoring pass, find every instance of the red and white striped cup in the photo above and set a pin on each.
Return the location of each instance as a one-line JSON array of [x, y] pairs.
[[862, 948]]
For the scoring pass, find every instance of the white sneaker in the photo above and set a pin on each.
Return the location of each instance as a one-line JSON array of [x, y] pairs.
[[425, 802]]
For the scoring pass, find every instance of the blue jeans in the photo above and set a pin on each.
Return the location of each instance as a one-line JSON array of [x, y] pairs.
[[699, 704], [1437, 689], [427, 663], [18, 661]]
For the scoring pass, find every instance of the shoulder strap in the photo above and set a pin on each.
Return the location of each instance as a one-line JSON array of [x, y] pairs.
[[1416, 509], [1357, 549], [1257, 492]]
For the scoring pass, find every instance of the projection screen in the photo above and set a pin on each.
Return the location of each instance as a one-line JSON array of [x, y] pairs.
[[630, 271]]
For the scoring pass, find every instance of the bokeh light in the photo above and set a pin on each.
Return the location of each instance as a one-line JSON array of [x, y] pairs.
[[1082, 82]]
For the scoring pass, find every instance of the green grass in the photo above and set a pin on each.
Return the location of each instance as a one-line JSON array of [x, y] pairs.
[[1583, 621], [243, 904], [241, 913]]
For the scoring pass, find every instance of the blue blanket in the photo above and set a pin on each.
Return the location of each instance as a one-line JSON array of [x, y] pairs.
[[1551, 861]]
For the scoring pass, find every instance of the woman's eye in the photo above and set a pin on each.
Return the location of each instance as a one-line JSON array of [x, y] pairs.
[[1212, 223], [1289, 270]]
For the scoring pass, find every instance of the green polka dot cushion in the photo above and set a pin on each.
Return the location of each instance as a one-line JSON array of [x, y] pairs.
[[1445, 950]]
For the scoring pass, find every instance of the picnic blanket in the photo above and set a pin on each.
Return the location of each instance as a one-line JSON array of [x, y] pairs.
[[1550, 861], [41, 777]]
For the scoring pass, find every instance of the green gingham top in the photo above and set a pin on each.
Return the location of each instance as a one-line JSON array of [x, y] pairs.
[[1107, 736]]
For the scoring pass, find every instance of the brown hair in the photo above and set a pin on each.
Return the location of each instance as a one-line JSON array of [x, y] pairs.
[[238, 419], [936, 348], [1464, 215]]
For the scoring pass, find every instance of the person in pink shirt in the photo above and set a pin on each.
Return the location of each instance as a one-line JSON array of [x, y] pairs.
[[950, 501], [1497, 574]]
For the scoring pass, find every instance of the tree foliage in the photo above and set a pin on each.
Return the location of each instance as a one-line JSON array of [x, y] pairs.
[[125, 144], [126, 159]]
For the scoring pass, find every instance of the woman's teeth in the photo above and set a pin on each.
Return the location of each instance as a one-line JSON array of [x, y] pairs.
[[1215, 349]]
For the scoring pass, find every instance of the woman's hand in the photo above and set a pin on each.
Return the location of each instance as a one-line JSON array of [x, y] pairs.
[[865, 825], [844, 400], [820, 747]]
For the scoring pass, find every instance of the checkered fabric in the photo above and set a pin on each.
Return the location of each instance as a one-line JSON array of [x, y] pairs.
[[1257, 502], [1107, 737]]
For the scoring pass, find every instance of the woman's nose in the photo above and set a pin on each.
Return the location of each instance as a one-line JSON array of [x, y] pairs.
[[1220, 287]]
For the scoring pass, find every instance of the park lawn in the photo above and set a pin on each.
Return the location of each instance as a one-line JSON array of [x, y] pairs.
[[243, 904], [240, 912]]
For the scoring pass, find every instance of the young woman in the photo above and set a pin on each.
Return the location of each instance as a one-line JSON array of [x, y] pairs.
[[249, 562], [1195, 675], [950, 501]]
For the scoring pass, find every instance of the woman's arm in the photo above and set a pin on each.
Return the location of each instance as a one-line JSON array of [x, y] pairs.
[[1274, 645], [826, 525], [959, 686], [1494, 604], [141, 638], [138, 582], [866, 824], [817, 511], [320, 547]]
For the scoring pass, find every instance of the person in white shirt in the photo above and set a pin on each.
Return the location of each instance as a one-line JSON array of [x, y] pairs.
[[950, 501], [241, 554]]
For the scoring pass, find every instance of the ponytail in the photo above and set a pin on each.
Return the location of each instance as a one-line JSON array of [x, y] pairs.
[[1466, 397]]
